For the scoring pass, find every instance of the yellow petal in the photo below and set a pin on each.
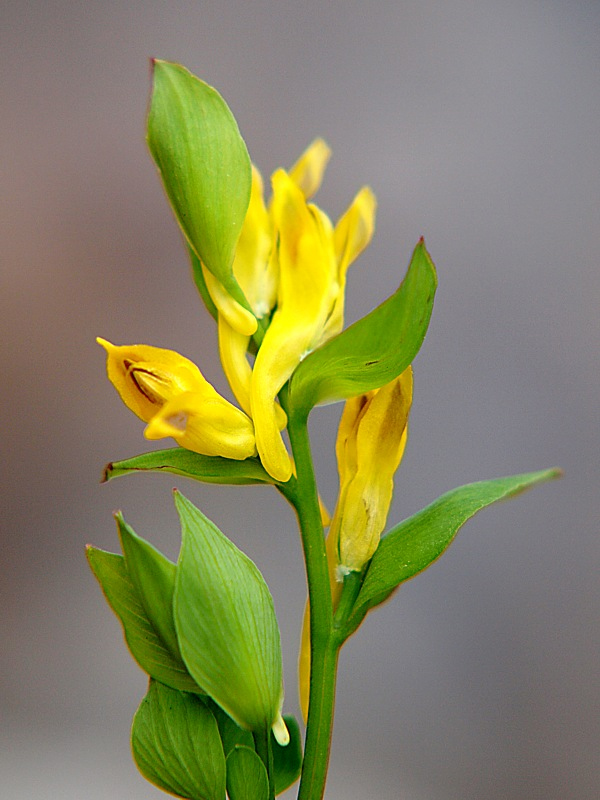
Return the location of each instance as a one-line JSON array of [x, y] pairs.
[[307, 288], [307, 172], [369, 449], [233, 347], [146, 377], [236, 315], [352, 234], [254, 267], [212, 427]]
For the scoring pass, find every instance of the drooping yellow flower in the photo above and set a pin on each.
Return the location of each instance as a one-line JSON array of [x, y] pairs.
[[169, 392], [370, 444]]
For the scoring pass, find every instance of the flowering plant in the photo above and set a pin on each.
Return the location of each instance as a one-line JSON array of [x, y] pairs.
[[272, 274]]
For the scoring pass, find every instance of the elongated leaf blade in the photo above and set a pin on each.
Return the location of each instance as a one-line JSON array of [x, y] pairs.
[[247, 777], [374, 350], [417, 542], [144, 643], [204, 164], [179, 461], [226, 624], [176, 744]]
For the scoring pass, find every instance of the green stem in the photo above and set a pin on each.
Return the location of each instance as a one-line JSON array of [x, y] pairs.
[[324, 648], [262, 745]]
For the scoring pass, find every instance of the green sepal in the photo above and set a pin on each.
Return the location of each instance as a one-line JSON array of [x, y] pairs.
[[204, 164], [247, 777], [417, 542], [226, 624], [176, 744], [372, 351], [179, 461], [287, 760], [153, 577], [143, 641]]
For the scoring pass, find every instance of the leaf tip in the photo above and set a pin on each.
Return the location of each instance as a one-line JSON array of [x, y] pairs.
[[106, 472]]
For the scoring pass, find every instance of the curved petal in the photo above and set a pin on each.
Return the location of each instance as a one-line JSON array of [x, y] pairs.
[[212, 427], [236, 315], [307, 173], [307, 288], [352, 234]]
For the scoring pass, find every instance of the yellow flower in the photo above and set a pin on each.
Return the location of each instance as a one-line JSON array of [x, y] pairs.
[[207, 425], [369, 447], [256, 269], [313, 260], [170, 393], [371, 440]]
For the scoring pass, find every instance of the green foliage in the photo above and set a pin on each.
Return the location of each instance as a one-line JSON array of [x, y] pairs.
[[153, 577], [230, 732], [176, 744], [204, 164], [179, 461], [287, 760], [145, 643], [226, 623], [247, 777], [374, 350], [417, 542]]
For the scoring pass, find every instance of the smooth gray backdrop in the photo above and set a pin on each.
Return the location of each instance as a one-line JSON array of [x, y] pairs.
[[478, 125]]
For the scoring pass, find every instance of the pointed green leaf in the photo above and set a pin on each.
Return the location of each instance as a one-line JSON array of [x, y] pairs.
[[374, 350], [179, 461], [230, 732], [247, 777], [287, 761], [226, 623], [153, 577], [176, 744], [143, 641], [414, 544], [204, 164]]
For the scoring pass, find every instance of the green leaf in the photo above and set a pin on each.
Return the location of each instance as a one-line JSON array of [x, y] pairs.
[[176, 744], [287, 761], [179, 461], [417, 542], [226, 623], [374, 350], [247, 777], [153, 577], [204, 164], [230, 732], [145, 644]]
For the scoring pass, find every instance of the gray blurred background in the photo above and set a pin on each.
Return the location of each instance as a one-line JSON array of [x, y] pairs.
[[478, 125]]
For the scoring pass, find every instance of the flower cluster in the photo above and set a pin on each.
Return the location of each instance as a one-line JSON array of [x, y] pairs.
[[291, 264]]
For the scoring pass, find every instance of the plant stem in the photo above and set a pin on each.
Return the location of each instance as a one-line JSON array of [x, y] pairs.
[[324, 648], [262, 745]]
